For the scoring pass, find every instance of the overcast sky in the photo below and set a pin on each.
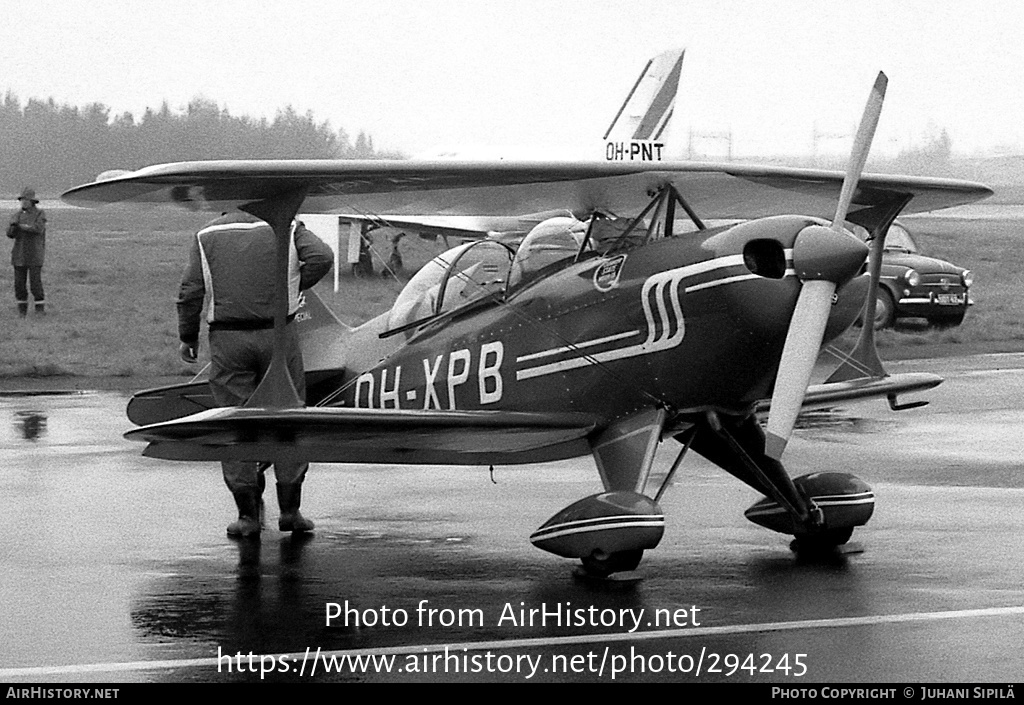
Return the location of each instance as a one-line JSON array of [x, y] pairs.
[[540, 74]]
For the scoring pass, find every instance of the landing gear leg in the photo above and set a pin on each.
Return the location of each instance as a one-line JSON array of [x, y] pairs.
[[737, 446], [609, 532], [819, 510]]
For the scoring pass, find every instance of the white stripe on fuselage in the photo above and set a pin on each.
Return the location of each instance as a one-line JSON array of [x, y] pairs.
[[668, 318], [730, 280], [577, 346], [233, 226]]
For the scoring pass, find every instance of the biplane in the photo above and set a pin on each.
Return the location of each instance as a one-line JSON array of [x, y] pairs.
[[631, 324]]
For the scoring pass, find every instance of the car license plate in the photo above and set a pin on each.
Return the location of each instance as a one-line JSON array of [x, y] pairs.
[[948, 299]]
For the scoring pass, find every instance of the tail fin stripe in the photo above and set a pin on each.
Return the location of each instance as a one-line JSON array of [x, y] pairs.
[[662, 104], [664, 124], [628, 98]]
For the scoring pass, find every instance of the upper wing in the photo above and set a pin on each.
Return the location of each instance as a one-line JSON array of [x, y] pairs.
[[346, 435], [726, 191]]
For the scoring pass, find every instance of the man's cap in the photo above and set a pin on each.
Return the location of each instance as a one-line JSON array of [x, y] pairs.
[[30, 194]]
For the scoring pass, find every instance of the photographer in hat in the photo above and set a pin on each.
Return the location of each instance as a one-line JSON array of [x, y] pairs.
[[27, 227]]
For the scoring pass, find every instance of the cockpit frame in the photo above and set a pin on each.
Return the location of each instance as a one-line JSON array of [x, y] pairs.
[[446, 266]]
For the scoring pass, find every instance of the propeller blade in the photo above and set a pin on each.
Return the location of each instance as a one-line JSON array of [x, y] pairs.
[[803, 342], [824, 259], [861, 147]]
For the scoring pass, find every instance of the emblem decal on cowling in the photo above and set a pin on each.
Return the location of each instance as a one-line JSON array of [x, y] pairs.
[[606, 277]]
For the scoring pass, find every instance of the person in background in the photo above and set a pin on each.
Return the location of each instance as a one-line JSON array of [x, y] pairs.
[[27, 227], [232, 261], [395, 263], [364, 267]]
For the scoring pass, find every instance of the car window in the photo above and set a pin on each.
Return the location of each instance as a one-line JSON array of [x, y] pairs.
[[899, 239], [859, 230]]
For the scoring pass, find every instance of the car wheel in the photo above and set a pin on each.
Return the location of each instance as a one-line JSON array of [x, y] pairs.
[[885, 310], [946, 321]]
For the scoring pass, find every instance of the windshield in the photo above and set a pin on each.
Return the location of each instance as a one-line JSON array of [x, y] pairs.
[[453, 278], [555, 240], [899, 239], [896, 239]]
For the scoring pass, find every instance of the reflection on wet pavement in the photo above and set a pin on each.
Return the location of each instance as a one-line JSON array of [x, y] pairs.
[[839, 419], [276, 597], [31, 424]]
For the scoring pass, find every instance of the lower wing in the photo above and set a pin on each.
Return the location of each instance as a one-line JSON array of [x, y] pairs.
[[891, 386], [341, 435]]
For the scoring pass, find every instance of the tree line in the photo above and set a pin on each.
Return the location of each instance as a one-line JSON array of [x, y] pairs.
[[53, 147]]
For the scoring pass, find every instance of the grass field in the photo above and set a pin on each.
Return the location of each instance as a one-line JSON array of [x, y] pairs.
[[991, 250], [112, 278]]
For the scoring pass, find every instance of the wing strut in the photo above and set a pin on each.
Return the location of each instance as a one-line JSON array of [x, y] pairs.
[[665, 212], [277, 390], [662, 208]]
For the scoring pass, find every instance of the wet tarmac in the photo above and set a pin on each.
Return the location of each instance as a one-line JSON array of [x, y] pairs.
[[117, 569]]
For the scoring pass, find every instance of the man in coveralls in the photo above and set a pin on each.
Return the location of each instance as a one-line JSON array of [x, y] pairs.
[[232, 260], [27, 227]]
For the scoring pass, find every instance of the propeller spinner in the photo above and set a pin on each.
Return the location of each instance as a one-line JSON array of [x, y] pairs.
[[824, 258]]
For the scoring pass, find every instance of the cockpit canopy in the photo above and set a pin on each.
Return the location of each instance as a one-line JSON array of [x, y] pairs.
[[477, 269], [549, 242], [453, 278]]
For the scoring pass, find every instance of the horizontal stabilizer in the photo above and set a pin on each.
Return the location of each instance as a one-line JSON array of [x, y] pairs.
[[334, 434], [172, 402]]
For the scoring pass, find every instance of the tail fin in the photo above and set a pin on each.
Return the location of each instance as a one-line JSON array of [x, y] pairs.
[[637, 131], [322, 334]]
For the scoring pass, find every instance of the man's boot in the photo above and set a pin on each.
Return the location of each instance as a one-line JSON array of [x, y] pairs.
[[248, 522], [288, 498], [40, 308], [23, 308]]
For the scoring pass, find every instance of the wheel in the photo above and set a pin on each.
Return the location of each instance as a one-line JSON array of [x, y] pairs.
[[885, 309], [821, 542], [602, 565]]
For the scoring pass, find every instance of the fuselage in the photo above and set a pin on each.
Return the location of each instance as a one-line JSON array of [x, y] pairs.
[[608, 335]]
